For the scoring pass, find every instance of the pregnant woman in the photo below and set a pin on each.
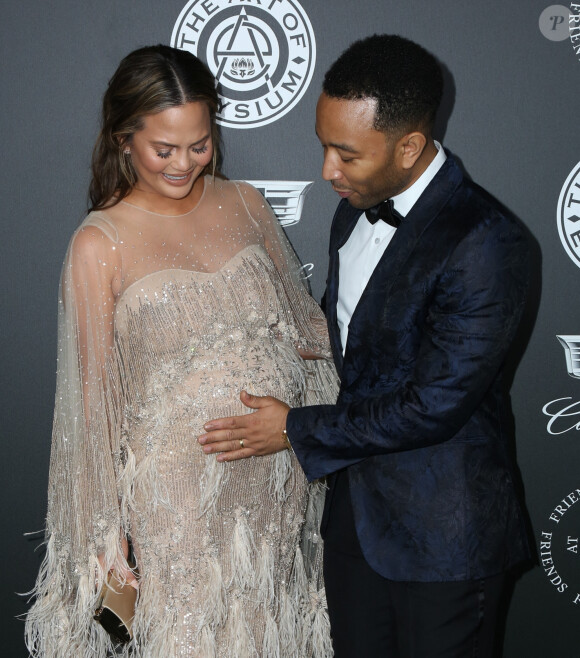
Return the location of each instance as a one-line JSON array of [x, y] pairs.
[[178, 290]]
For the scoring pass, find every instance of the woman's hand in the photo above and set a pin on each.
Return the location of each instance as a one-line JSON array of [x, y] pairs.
[[124, 573]]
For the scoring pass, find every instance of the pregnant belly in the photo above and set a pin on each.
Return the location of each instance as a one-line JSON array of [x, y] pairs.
[[183, 395]]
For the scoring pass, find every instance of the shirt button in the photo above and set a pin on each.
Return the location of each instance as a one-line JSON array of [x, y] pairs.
[[377, 240]]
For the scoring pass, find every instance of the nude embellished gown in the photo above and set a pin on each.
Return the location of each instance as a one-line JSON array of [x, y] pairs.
[[163, 320]]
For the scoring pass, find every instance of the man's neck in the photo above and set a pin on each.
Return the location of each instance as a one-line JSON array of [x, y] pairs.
[[423, 161], [405, 200]]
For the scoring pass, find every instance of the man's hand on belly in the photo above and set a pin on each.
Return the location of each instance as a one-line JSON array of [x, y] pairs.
[[251, 435]]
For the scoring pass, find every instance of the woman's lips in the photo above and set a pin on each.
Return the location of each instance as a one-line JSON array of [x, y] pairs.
[[175, 179]]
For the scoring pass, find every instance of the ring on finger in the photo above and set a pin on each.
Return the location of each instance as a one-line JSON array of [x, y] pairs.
[[241, 443]]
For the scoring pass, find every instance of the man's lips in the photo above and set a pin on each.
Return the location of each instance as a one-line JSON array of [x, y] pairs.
[[342, 193]]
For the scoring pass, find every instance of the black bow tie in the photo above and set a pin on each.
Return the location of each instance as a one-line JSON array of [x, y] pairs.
[[386, 212]]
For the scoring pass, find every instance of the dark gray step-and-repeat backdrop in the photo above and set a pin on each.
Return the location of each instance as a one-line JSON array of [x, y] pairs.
[[510, 114]]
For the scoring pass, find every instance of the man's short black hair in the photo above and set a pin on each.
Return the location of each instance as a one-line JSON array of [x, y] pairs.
[[403, 77]]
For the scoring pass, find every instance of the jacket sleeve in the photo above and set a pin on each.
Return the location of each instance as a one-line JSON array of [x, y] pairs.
[[471, 317]]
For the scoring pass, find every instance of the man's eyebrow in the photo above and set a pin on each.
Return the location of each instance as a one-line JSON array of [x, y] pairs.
[[344, 147]]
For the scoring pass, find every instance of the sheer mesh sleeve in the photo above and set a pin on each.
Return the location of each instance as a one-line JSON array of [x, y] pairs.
[[320, 379], [305, 312], [83, 519]]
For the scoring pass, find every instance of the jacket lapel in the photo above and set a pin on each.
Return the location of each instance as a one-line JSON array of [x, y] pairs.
[[344, 221], [365, 319]]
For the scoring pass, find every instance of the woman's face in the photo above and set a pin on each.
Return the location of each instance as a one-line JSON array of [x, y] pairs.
[[168, 154]]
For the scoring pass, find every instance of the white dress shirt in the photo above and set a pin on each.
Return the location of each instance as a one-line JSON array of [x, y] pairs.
[[361, 253]]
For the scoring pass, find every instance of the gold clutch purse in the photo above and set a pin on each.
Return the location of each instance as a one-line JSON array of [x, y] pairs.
[[116, 608]]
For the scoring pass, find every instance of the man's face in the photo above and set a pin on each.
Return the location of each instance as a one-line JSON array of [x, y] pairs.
[[363, 164]]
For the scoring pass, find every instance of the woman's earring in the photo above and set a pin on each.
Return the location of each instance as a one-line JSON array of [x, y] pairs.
[[126, 167]]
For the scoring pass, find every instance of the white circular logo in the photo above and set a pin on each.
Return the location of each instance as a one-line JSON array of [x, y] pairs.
[[569, 215], [262, 56], [560, 547], [553, 22]]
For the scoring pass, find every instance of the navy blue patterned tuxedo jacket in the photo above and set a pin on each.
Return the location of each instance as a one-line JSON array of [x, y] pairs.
[[421, 422]]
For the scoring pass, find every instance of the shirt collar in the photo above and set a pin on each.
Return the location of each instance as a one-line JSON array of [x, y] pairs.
[[406, 200]]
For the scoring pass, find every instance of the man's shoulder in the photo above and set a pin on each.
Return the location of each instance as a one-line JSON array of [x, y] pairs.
[[482, 206], [469, 201]]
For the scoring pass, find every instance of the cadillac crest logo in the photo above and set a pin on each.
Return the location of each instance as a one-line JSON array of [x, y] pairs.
[[569, 215], [564, 412], [262, 54], [571, 345], [286, 197]]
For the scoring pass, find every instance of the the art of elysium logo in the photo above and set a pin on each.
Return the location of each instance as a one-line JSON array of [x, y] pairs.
[[560, 537], [560, 546], [262, 55], [569, 215]]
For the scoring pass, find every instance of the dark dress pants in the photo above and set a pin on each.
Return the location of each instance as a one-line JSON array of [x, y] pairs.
[[374, 617]]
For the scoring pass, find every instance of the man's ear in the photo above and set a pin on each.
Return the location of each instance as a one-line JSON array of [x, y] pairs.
[[410, 148]]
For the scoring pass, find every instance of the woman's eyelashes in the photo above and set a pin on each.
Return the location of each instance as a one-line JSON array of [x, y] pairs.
[[197, 151]]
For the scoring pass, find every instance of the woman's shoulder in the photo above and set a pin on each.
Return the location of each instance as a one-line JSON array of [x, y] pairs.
[[240, 193], [227, 186], [96, 228], [103, 221]]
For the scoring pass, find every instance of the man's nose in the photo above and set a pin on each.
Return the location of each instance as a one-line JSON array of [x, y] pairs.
[[330, 170]]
